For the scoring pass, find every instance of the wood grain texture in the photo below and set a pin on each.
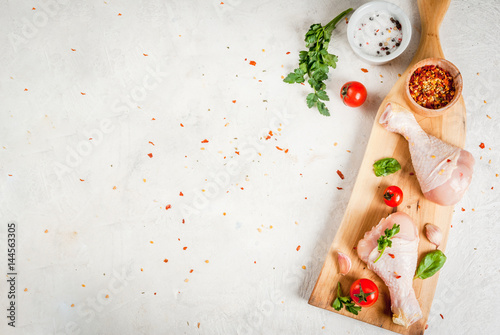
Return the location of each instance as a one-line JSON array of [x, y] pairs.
[[366, 208]]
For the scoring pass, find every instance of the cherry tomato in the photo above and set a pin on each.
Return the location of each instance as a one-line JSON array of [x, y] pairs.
[[353, 94], [393, 196], [364, 292]]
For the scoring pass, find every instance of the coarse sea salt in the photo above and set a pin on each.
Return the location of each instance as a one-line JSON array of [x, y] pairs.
[[378, 34]]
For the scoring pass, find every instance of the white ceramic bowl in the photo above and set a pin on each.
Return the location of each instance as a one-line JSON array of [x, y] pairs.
[[375, 6]]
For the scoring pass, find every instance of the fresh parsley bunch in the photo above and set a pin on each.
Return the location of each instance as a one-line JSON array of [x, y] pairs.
[[315, 63]]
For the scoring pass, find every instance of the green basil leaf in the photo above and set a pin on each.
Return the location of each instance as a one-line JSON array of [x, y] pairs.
[[430, 264], [385, 167]]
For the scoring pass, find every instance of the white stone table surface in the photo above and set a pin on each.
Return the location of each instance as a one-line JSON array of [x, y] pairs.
[[202, 238]]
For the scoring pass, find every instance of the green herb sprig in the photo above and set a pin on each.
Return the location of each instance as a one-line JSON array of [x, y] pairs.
[[346, 302], [385, 167], [385, 240], [430, 264], [315, 63]]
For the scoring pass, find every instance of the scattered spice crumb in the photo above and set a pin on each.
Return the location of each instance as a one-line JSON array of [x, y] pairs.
[[481, 145], [288, 53], [145, 55], [298, 248], [151, 242], [25, 90], [204, 141], [339, 188], [391, 255], [107, 296], [26, 290], [119, 14], [114, 187], [426, 326], [207, 261], [303, 267], [181, 124], [341, 175], [253, 63], [234, 101], [73, 49], [82, 179], [397, 277], [72, 305], [198, 325], [186, 280], [168, 207], [165, 260], [46, 231], [184, 248], [83, 93], [150, 155], [181, 194], [463, 209], [441, 315], [364, 70], [83, 285], [151, 143]]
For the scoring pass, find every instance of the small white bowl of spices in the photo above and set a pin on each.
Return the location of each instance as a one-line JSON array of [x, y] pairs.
[[378, 32]]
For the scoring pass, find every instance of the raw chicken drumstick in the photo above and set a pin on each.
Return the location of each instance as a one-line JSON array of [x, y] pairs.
[[444, 171], [396, 266]]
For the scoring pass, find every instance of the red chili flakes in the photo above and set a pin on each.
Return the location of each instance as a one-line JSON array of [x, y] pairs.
[[463, 209], [441, 315], [198, 325], [286, 151], [431, 87], [354, 248], [181, 194], [46, 231], [279, 148], [83, 93], [288, 53], [481, 145], [10, 175], [165, 260], [412, 173], [119, 14], [426, 326], [298, 248], [448, 160], [145, 55], [151, 143], [391, 255], [153, 119], [221, 3], [204, 141], [341, 175], [339, 188], [191, 271], [150, 155], [364, 70], [181, 124], [397, 277], [236, 152], [25, 90], [234, 101], [183, 221], [73, 49], [253, 63], [82, 180], [242, 188], [167, 207], [33, 8], [184, 248]]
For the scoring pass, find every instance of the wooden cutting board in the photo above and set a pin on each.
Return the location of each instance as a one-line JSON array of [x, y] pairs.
[[366, 206]]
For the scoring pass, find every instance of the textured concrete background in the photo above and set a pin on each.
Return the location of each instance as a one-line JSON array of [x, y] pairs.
[[89, 88]]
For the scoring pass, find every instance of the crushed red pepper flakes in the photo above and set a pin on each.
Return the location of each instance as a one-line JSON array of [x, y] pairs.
[[114, 187], [204, 141], [191, 271], [463, 209], [279, 148], [341, 175], [253, 63], [73, 49], [397, 277], [145, 55], [236, 152], [33, 8], [181, 194], [82, 93], [184, 248], [165, 260], [481, 145], [234, 101], [82, 179], [431, 87], [298, 248], [151, 242], [441, 315], [339, 188], [119, 14], [25, 90], [72, 305], [168, 207], [198, 325], [107, 296], [10, 175], [83, 285], [181, 124], [426, 326], [391, 255], [46, 231], [364, 70], [150, 155], [288, 53]]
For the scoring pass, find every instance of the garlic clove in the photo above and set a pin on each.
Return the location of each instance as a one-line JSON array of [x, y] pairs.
[[344, 263], [434, 234]]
